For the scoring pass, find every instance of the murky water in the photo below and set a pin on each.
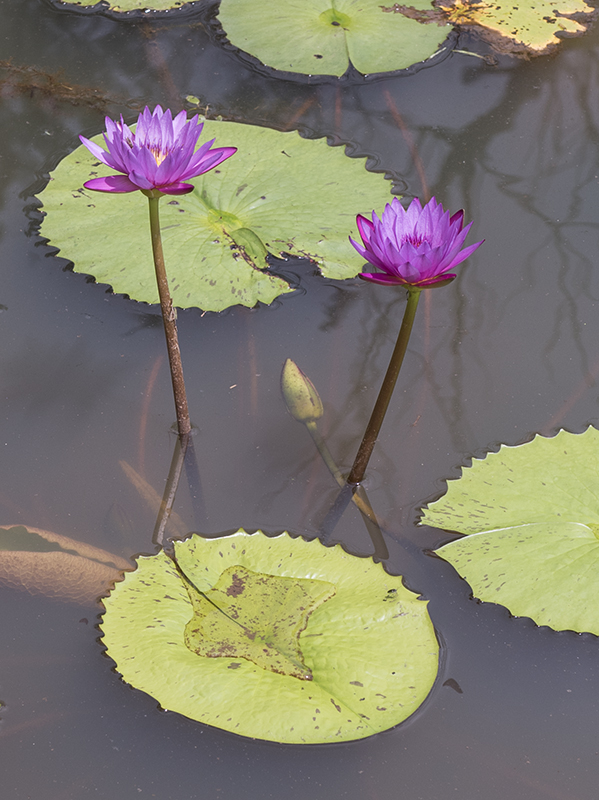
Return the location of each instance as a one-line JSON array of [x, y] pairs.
[[509, 349]]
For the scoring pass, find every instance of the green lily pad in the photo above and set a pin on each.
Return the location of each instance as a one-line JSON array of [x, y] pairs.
[[531, 515], [279, 193], [326, 36], [347, 650]]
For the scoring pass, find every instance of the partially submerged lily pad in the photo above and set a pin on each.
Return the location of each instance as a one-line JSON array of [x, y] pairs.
[[319, 37], [274, 638], [279, 193], [531, 515], [46, 563]]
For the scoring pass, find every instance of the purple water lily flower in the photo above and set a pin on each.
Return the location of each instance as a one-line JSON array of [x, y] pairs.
[[158, 156], [416, 247]]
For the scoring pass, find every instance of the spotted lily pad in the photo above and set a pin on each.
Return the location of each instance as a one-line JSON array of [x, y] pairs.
[[522, 29], [531, 518], [327, 36], [273, 637], [279, 193]]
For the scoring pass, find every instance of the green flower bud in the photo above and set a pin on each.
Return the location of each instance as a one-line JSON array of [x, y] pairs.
[[301, 398]]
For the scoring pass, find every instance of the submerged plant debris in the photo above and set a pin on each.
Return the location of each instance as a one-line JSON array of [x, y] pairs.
[[16, 79], [273, 637], [531, 518], [45, 563]]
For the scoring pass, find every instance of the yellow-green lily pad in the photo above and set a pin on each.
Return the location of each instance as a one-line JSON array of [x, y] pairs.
[[275, 638], [531, 518]]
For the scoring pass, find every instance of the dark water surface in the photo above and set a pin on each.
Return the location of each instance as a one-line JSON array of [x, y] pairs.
[[509, 349]]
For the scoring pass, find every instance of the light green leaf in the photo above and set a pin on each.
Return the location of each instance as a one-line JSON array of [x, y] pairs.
[[370, 647], [279, 193], [326, 36], [532, 513]]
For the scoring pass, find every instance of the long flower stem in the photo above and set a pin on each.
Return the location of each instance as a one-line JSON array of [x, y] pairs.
[[373, 428], [169, 317]]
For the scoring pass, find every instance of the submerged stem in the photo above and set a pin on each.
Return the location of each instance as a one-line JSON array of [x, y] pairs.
[[169, 318], [373, 428]]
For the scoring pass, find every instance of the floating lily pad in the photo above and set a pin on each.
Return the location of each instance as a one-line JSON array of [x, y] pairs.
[[279, 193], [319, 37], [531, 515], [524, 29], [130, 5], [274, 638]]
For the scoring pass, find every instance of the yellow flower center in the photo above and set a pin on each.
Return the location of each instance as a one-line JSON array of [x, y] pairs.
[[159, 155]]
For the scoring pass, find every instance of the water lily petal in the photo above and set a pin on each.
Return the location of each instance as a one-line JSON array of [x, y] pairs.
[[119, 184]]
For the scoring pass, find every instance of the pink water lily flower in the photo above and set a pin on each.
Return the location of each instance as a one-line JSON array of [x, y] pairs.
[[159, 155], [416, 247]]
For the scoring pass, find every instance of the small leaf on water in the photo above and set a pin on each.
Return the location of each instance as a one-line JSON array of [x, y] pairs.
[[255, 616]]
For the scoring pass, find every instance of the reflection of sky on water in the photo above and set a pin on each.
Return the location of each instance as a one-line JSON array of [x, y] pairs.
[[508, 349]]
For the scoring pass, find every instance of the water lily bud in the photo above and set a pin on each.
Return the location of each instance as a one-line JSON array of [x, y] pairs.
[[302, 399]]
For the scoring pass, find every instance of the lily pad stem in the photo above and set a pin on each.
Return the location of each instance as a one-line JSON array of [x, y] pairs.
[[373, 428], [169, 317], [358, 497]]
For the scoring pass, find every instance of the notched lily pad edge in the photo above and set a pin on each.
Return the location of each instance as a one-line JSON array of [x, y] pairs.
[[481, 454], [522, 619], [351, 75]]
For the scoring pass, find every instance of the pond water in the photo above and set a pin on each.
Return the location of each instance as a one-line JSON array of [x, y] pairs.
[[509, 349]]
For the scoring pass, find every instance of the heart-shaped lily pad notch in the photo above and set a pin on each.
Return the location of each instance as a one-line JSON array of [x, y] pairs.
[[279, 193], [326, 36], [532, 517], [273, 637]]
